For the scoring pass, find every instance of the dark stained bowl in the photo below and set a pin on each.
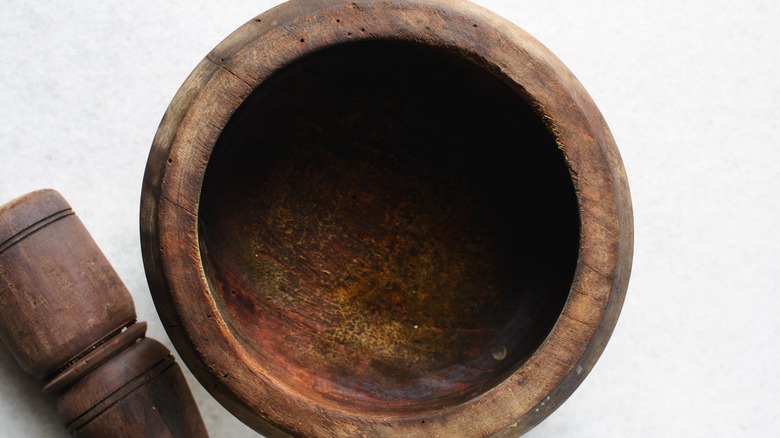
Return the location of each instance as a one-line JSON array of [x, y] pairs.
[[377, 218]]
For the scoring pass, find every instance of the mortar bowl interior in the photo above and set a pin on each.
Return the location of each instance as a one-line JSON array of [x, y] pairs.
[[388, 227]]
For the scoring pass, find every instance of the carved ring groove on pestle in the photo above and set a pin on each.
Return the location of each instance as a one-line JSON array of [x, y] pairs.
[[158, 361], [34, 228], [98, 355]]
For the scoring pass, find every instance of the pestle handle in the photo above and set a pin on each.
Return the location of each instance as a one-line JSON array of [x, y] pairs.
[[69, 320]]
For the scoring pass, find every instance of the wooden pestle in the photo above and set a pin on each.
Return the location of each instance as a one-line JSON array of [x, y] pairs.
[[69, 320]]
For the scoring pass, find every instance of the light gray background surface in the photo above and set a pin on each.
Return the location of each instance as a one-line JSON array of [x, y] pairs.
[[691, 90]]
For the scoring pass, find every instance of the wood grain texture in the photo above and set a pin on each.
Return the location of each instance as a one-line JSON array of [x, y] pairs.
[[386, 219], [68, 319], [39, 279], [141, 392]]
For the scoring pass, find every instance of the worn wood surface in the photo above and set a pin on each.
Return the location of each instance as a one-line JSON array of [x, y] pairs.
[[386, 219], [68, 319]]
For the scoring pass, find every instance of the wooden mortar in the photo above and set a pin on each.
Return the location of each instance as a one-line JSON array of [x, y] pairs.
[[380, 218]]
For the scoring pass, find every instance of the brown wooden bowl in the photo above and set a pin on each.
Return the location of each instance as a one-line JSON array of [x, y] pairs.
[[386, 218]]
